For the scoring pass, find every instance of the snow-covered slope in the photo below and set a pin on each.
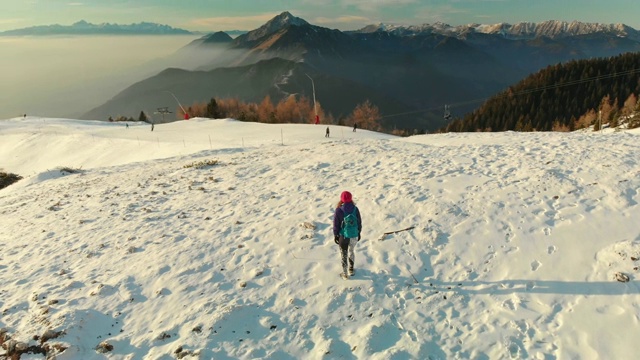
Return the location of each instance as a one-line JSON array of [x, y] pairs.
[[516, 242]]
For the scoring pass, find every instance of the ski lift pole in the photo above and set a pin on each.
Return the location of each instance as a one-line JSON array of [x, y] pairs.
[[315, 106], [447, 112], [163, 111]]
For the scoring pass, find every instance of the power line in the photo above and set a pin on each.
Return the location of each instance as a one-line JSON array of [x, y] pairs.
[[523, 92]]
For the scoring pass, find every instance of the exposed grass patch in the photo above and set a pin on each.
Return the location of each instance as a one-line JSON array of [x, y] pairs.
[[7, 179], [70, 170], [202, 164]]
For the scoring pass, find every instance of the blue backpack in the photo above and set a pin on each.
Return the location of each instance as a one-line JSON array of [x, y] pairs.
[[350, 224]]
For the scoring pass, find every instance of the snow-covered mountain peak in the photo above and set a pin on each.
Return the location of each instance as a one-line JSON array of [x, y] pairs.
[[520, 30], [279, 22]]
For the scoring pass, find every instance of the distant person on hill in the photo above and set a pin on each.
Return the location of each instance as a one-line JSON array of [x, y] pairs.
[[25, 116], [355, 126], [127, 125], [347, 226], [327, 133], [151, 126]]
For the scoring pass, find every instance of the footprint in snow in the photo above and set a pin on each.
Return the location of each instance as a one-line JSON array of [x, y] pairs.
[[535, 265]]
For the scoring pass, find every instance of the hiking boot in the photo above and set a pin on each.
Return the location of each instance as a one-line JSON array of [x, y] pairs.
[[344, 276], [351, 272]]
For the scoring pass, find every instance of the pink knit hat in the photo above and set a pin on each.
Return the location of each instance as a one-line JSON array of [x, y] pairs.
[[345, 197]]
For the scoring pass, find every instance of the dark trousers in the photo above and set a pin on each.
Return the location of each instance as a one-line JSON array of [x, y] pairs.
[[347, 246]]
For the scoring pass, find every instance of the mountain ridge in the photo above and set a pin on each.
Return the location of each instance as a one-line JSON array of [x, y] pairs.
[[554, 29], [83, 27], [423, 70]]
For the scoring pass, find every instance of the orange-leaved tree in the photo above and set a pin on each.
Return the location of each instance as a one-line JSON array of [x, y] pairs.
[[366, 116]]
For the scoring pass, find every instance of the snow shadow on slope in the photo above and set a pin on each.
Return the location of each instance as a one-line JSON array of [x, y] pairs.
[[540, 287]]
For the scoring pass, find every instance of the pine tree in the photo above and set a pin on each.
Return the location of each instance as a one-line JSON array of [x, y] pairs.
[[562, 94], [213, 111]]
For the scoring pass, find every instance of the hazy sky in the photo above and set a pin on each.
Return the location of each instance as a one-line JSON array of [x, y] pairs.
[[68, 76], [214, 15]]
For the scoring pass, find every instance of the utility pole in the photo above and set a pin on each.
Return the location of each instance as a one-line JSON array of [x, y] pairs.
[[600, 120]]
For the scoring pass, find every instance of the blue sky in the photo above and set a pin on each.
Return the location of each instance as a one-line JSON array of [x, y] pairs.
[[214, 15]]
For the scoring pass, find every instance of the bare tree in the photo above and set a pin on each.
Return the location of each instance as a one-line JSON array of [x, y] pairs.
[[586, 120], [287, 110], [366, 116], [266, 110], [630, 105], [606, 110]]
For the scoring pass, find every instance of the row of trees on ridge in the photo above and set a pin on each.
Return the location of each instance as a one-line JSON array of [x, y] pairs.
[[291, 109]]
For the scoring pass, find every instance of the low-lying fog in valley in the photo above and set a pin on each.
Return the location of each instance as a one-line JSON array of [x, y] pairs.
[[67, 76]]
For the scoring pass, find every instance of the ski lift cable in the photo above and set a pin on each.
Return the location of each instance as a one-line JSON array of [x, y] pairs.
[[505, 93]]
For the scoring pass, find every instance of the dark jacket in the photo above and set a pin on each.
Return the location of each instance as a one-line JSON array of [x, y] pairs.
[[339, 216]]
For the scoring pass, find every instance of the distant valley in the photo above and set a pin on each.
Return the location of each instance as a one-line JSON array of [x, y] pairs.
[[409, 72]]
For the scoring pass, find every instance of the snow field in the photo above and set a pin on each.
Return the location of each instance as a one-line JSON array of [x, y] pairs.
[[517, 240]]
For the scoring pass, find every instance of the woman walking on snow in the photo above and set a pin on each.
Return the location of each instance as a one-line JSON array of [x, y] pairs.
[[347, 226]]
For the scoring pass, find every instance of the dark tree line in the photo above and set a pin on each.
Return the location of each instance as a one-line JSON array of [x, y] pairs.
[[560, 97]]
